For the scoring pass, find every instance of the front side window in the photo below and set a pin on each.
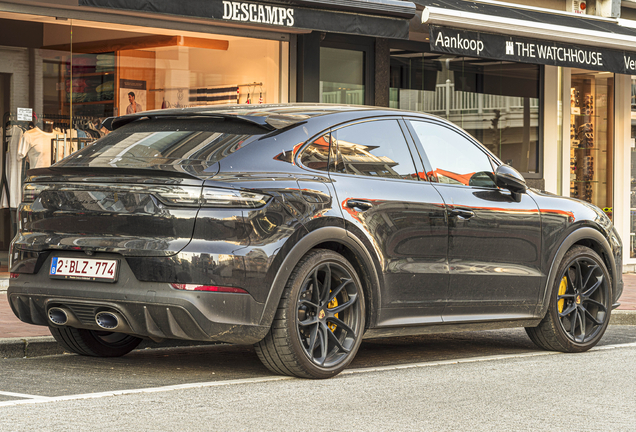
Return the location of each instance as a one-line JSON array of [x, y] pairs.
[[496, 102], [453, 158], [374, 149]]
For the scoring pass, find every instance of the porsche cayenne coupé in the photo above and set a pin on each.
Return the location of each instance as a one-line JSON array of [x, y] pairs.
[[302, 229]]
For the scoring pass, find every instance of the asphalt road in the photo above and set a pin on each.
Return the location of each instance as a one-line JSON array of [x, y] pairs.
[[494, 380]]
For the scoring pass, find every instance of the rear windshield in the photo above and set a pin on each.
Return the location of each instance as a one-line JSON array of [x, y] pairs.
[[168, 144]]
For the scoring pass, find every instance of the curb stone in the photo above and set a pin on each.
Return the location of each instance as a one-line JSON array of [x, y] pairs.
[[46, 345], [623, 317]]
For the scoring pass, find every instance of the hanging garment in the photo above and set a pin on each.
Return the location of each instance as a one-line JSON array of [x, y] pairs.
[[4, 203], [14, 167], [36, 145]]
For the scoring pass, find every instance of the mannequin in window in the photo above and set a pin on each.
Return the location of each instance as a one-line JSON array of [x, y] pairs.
[[48, 126], [134, 107], [36, 146]]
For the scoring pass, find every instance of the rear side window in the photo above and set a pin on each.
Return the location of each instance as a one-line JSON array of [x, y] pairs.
[[453, 158], [316, 154], [374, 149], [166, 142]]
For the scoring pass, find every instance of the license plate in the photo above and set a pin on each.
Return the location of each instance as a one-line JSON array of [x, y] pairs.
[[84, 269]]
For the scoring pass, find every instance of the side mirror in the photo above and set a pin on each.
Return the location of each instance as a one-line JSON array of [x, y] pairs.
[[506, 177]]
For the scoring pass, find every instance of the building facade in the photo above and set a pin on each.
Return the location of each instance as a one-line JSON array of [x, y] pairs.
[[548, 88]]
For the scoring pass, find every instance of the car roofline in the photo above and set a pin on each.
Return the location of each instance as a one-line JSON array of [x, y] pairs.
[[257, 115]]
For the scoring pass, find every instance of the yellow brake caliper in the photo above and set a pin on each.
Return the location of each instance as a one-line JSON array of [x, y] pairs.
[[332, 304], [562, 288]]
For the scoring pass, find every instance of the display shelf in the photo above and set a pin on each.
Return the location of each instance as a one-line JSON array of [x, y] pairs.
[[92, 73]]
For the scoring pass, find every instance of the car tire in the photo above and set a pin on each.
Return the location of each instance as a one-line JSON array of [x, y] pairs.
[[319, 323], [94, 343], [580, 304]]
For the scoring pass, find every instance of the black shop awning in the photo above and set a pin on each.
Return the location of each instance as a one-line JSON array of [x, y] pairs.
[[380, 18], [530, 35]]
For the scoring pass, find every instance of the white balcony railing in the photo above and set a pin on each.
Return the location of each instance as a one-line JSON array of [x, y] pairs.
[[445, 101]]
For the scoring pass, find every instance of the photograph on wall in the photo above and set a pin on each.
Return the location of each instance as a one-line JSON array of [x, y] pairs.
[[132, 96]]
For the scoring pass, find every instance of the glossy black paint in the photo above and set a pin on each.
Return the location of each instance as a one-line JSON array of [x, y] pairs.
[[427, 253], [507, 177], [494, 254]]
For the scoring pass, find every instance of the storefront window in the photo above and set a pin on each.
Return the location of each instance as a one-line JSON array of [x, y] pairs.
[[85, 72], [497, 102], [591, 138], [341, 76]]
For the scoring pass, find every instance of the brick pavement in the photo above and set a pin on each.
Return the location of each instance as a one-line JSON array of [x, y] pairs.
[[11, 327]]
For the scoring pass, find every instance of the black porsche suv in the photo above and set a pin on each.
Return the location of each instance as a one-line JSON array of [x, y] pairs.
[[302, 229]]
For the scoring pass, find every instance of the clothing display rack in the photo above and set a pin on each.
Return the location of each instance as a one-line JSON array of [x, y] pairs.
[[254, 84], [85, 131], [69, 145], [9, 119], [210, 95]]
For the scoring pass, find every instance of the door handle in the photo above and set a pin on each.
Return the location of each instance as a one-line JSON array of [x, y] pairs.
[[359, 204], [462, 213]]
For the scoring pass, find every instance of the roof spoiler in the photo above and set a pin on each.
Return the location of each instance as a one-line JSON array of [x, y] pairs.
[[112, 123]]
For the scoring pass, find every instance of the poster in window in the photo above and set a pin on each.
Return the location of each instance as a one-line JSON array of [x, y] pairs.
[[132, 96]]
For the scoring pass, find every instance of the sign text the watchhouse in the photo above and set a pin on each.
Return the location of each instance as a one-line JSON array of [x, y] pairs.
[[525, 50], [257, 13]]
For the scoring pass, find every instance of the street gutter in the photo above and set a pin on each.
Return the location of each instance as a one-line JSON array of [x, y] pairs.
[[30, 347]]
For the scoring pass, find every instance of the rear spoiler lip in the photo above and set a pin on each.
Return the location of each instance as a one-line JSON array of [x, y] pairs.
[[112, 123]]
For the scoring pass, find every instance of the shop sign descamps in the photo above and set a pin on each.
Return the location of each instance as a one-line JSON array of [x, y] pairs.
[[256, 13]]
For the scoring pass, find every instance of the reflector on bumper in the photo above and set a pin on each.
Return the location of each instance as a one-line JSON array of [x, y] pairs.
[[197, 287]]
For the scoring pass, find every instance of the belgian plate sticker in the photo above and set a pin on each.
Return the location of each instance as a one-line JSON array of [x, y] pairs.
[[53, 266]]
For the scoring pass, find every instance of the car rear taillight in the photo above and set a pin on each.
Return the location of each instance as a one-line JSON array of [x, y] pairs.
[[186, 196], [14, 275], [214, 288], [212, 197], [209, 197], [31, 191]]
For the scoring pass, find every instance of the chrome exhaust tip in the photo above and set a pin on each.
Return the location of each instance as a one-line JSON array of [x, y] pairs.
[[108, 320], [59, 316]]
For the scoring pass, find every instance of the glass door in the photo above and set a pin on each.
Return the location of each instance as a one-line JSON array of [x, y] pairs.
[[342, 76]]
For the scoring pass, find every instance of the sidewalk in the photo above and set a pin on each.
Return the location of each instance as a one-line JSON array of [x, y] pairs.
[[18, 339]]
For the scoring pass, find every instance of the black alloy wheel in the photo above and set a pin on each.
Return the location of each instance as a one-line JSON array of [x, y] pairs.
[[580, 304], [320, 320], [326, 314], [582, 300]]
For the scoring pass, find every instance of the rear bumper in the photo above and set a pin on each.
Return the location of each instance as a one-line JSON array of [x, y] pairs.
[[151, 309]]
